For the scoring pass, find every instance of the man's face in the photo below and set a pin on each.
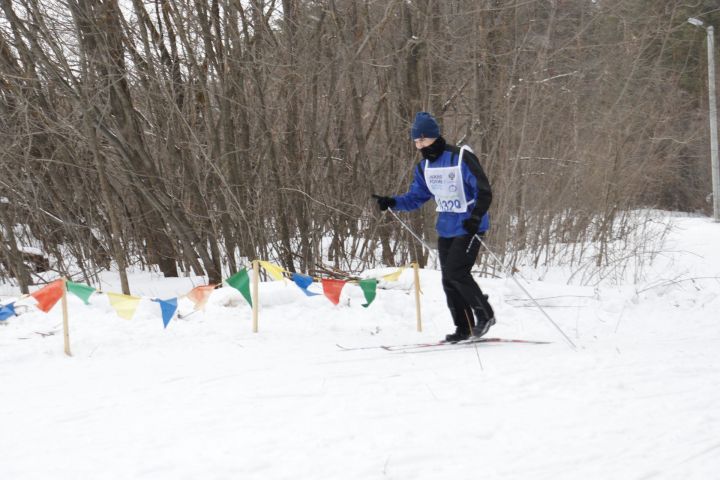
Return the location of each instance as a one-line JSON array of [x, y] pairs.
[[423, 142]]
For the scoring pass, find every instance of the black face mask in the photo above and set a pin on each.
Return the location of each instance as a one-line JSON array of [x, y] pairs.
[[434, 150]]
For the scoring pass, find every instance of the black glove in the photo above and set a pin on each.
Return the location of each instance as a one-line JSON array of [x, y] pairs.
[[384, 202], [471, 224]]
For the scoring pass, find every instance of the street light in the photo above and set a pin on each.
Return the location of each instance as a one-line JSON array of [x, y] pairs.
[[713, 116]]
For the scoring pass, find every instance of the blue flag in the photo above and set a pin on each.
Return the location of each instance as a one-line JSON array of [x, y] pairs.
[[168, 308], [7, 311], [303, 281]]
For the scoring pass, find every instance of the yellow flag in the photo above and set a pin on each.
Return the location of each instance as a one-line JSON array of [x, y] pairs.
[[395, 276], [124, 305], [275, 271]]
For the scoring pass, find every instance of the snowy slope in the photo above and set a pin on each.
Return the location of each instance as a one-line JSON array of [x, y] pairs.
[[207, 398]]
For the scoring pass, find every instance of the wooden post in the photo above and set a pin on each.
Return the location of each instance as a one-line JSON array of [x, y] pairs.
[[66, 326], [416, 268], [255, 302]]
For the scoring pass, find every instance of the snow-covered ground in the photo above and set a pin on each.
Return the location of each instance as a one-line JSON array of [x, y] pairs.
[[207, 398]]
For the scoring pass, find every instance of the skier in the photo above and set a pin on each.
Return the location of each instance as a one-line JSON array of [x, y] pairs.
[[462, 192]]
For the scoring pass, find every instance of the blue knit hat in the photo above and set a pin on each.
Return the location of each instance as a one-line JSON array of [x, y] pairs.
[[424, 126]]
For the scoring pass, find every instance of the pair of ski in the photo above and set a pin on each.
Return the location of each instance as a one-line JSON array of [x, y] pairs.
[[409, 347]]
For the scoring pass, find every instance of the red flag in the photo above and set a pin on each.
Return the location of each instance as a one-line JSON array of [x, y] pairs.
[[199, 295], [49, 295], [332, 289]]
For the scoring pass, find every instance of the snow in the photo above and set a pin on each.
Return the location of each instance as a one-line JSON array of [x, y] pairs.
[[208, 398]]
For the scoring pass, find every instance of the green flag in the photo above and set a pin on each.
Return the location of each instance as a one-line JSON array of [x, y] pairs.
[[80, 290], [369, 287], [241, 282]]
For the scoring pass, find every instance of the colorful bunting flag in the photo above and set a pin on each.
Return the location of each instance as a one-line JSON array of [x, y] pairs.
[[332, 289], [7, 311], [168, 308], [124, 305], [275, 271], [241, 282], [395, 276], [304, 281], [200, 295], [369, 288], [49, 295], [80, 290]]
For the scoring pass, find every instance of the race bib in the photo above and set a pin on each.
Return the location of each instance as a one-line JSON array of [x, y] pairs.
[[446, 185]]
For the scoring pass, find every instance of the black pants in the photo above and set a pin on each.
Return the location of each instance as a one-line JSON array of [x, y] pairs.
[[464, 298]]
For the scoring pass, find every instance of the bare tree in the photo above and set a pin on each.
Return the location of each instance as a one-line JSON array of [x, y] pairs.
[[195, 135]]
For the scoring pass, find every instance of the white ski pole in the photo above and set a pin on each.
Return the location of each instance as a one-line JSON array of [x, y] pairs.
[[414, 235], [477, 353], [502, 267]]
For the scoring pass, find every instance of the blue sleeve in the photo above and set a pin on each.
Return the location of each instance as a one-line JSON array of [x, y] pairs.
[[417, 195]]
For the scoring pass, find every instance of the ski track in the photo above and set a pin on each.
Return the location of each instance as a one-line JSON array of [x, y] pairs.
[[207, 398]]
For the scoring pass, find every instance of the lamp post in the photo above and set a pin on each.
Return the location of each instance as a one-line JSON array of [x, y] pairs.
[[713, 116]]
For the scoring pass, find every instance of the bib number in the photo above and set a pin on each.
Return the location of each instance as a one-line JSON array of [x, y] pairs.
[[448, 205]]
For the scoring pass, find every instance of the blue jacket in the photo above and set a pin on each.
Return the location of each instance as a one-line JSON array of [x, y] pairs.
[[477, 192]]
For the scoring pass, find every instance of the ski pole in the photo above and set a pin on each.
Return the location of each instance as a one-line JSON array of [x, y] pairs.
[[413, 234], [477, 353], [497, 260]]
